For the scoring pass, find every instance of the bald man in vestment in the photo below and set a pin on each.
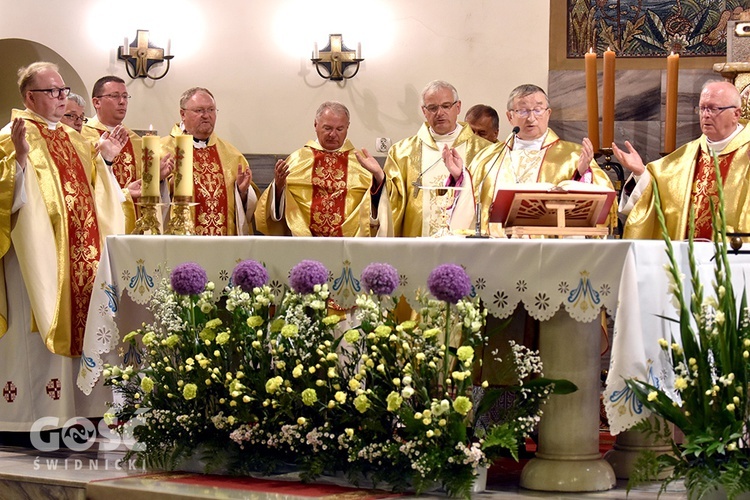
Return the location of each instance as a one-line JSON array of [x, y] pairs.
[[417, 161], [687, 176], [58, 201], [326, 188]]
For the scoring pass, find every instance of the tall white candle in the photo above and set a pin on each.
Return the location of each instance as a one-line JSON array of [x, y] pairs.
[[151, 160], [183, 185]]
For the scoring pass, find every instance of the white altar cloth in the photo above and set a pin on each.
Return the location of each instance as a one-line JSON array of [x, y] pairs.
[[626, 278]]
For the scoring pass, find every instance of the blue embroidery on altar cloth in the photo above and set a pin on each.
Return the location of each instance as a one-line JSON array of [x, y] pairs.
[[584, 296], [87, 362], [111, 291], [132, 357], [346, 282], [625, 398], [141, 278]]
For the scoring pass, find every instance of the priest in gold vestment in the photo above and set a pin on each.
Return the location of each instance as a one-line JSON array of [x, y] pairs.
[[418, 161], [110, 99], [222, 179], [58, 202], [687, 177], [533, 154], [326, 188]]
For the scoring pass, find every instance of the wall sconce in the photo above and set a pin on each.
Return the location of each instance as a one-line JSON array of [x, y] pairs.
[[140, 56], [335, 58]]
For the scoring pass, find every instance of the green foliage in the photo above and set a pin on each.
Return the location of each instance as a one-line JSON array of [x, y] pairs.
[[711, 364]]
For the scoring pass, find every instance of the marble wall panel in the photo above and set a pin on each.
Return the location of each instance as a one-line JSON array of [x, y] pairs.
[[639, 107]]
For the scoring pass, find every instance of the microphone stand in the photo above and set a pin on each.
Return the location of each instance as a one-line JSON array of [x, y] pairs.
[[478, 208]]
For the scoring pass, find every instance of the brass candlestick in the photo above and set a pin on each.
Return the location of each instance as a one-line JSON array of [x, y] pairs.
[[181, 219], [148, 222]]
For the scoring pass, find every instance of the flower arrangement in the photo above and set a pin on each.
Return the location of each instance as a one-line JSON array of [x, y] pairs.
[[257, 386], [711, 368]]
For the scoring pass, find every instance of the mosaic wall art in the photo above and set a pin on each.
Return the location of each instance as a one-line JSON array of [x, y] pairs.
[[651, 28]]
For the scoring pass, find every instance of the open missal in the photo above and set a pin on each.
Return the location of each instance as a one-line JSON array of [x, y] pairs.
[[570, 204]]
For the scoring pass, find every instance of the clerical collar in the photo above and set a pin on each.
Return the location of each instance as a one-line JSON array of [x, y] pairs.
[[535, 144], [103, 124], [719, 146], [327, 150], [199, 143], [449, 137]]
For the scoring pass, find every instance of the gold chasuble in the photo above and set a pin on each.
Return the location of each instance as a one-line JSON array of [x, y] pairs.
[[327, 193], [405, 167], [210, 194], [214, 176], [126, 165], [57, 235], [554, 162], [687, 177]]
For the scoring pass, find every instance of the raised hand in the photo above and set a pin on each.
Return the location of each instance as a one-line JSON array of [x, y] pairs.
[[371, 164], [244, 178], [18, 137], [587, 154], [111, 143], [629, 159], [453, 161], [280, 173]]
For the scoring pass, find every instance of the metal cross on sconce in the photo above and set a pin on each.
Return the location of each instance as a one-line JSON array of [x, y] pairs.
[[335, 58], [140, 55]]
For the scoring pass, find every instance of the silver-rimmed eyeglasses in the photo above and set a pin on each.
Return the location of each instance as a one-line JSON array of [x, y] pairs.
[[433, 108], [524, 113]]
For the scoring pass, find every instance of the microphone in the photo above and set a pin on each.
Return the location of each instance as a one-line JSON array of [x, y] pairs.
[[503, 148], [418, 181]]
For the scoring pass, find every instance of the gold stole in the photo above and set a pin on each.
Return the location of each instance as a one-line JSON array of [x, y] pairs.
[[328, 206], [82, 228], [123, 165], [704, 190], [210, 193]]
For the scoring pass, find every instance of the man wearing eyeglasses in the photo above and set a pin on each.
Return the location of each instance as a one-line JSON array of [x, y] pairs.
[[417, 161], [687, 176], [63, 202], [326, 188], [533, 154], [110, 100], [222, 179], [75, 115]]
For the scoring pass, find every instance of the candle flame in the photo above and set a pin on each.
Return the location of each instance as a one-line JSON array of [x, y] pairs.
[[591, 50]]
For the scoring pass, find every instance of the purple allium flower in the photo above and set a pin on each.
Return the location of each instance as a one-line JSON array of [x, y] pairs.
[[449, 282], [189, 278], [304, 276], [249, 274], [379, 278]]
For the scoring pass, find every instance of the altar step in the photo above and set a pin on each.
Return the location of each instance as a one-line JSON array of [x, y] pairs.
[[26, 473]]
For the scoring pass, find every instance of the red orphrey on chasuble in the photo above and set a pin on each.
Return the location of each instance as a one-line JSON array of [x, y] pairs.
[[704, 189], [123, 165], [210, 192], [329, 185], [83, 229]]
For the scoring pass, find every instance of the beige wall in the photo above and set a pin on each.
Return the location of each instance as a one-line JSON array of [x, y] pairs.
[[254, 56]]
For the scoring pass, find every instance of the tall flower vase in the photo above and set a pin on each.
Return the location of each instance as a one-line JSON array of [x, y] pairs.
[[480, 482]]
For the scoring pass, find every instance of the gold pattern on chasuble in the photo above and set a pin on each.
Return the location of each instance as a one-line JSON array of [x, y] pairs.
[[328, 206], [704, 190], [210, 193], [123, 165], [526, 164], [439, 202], [83, 229]]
